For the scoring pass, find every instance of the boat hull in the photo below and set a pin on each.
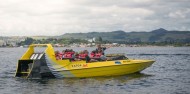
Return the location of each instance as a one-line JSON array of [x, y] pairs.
[[39, 65], [106, 70]]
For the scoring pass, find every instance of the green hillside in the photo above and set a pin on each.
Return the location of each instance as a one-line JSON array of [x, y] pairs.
[[159, 35]]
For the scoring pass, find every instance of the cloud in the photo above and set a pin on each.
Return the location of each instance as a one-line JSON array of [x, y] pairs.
[[180, 14], [55, 17]]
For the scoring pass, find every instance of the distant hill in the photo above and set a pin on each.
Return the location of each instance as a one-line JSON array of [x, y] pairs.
[[154, 37], [158, 35]]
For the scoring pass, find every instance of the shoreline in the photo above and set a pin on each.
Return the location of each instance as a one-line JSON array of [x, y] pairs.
[[84, 46]]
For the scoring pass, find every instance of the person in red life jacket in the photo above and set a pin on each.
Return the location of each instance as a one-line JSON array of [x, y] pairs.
[[69, 54], [99, 53], [76, 56], [84, 55], [93, 54], [57, 55]]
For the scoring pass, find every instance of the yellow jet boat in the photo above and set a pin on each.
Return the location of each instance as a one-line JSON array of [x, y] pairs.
[[41, 65]]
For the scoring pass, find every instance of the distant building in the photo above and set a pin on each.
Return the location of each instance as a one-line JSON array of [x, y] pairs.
[[114, 43], [90, 40], [93, 39]]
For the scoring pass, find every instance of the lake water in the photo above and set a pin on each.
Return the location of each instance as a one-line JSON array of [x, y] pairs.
[[170, 74]]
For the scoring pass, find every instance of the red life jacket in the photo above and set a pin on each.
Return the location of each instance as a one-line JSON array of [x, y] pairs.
[[58, 56], [98, 55], [95, 55], [92, 55], [68, 54], [82, 56], [77, 56]]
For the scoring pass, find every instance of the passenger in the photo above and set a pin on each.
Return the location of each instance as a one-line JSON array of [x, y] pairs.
[[69, 54], [84, 56], [93, 57], [57, 55], [76, 56], [93, 54]]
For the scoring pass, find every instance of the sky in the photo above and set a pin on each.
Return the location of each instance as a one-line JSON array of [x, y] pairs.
[[56, 17]]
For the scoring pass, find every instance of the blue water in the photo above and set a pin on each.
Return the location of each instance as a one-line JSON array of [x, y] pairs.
[[170, 74]]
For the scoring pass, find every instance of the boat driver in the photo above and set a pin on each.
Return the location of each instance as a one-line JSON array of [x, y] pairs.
[[100, 48]]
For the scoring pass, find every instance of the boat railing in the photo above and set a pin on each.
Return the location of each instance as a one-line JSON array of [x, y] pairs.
[[49, 51]]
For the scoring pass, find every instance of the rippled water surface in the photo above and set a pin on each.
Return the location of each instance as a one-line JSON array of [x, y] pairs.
[[170, 74]]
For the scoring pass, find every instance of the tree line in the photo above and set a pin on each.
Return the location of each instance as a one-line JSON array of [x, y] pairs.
[[68, 41]]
